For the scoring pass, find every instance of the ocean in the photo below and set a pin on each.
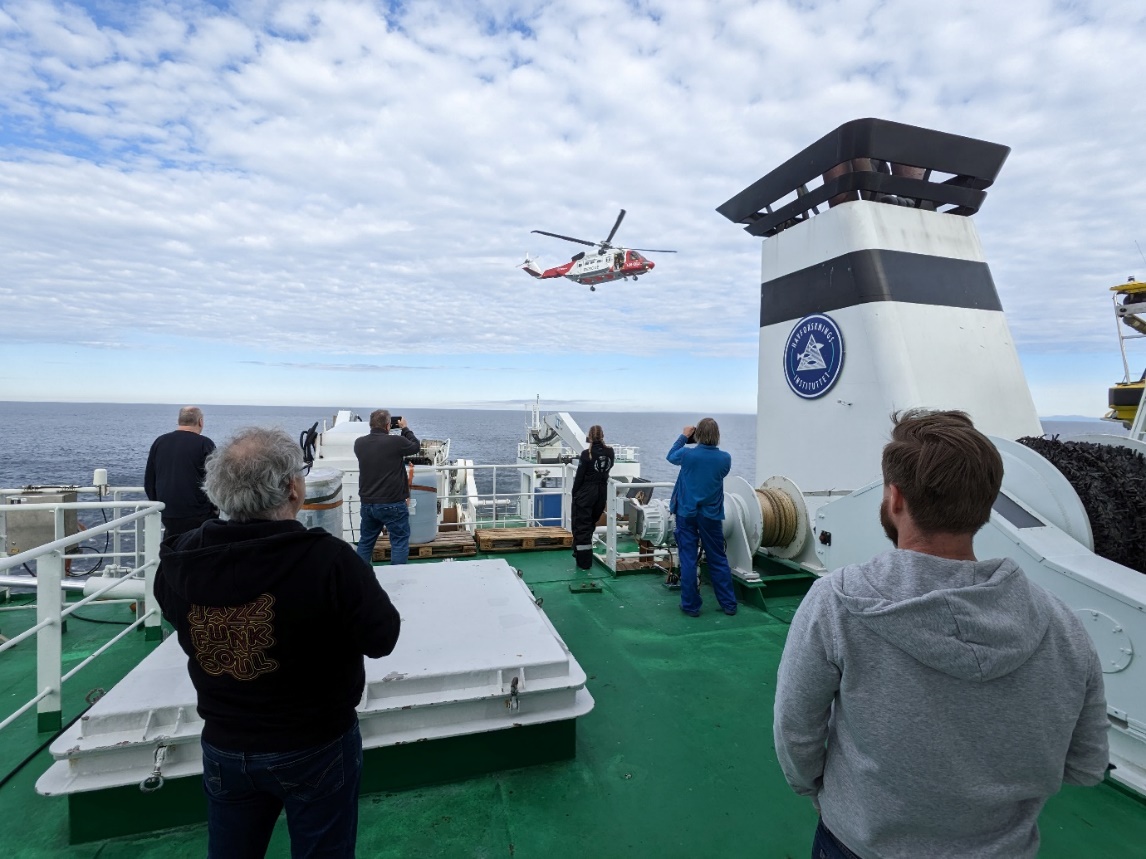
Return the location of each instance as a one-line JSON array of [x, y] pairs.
[[61, 443]]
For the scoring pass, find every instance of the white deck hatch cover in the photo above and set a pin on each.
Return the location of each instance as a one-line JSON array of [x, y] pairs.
[[469, 628]]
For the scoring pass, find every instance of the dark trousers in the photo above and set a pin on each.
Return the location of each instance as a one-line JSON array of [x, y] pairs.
[[588, 505], [396, 518], [317, 786], [173, 525], [827, 846], [691, 533]]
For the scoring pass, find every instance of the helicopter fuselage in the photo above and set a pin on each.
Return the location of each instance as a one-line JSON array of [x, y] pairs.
[[602, 266]]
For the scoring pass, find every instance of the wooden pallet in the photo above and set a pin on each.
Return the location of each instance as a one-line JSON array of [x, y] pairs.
[[523, 539], [445, 545], [648, 559]]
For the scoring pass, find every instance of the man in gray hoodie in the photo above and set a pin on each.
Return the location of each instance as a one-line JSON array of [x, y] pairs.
[[927, 702]]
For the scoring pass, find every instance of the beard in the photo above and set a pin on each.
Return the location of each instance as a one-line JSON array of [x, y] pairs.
[[888, 528]]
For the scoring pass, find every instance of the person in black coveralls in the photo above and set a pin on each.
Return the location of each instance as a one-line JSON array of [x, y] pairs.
[[175, 471], [275, 620], [590, 491]]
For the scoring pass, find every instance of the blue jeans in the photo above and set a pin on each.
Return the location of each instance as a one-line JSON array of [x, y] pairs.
[[317, 786], [396, 518], [825, 845], [691, 533]]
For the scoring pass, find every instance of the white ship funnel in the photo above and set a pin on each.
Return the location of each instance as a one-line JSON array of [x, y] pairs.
[[878, 303]]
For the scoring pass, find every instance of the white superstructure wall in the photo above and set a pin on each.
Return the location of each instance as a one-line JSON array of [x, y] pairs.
[[910, 296]]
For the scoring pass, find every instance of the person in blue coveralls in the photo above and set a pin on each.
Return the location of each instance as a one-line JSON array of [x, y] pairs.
[[698, 504]]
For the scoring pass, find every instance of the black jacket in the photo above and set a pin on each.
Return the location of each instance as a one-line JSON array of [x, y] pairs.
[[593, 466], [381, 476], [176, 466], [275, 620]]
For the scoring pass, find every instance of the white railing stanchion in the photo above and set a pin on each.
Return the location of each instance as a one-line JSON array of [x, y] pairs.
[[49, 646], [116, 538], [611, 525], [567, 498], [138, 543], [152, 626]]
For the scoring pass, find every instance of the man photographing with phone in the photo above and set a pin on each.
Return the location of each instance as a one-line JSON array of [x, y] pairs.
[[383, 490]]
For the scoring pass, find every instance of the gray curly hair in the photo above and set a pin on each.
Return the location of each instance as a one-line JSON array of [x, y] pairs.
[[249, 476]]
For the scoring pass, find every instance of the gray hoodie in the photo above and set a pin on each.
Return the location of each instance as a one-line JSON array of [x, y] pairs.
[[929, 707]]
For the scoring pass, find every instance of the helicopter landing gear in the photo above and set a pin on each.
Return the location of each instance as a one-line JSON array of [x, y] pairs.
[[592, 289]]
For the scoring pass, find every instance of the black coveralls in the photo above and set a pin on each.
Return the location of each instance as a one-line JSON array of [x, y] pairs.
[[590, 488]]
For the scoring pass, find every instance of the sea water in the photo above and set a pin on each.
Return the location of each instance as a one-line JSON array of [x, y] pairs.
[[61, 443], [54, 444]]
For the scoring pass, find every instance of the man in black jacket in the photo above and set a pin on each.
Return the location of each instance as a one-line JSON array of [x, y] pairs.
[[175, 471], [383, 488], [275, 620]]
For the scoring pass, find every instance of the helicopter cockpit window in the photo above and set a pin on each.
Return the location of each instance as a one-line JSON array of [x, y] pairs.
[[578, 256]]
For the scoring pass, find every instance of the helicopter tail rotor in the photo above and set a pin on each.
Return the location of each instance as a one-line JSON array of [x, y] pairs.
[[530, 266]]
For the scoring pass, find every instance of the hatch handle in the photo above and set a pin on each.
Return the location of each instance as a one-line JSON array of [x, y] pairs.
[[155, 781], [514, 702]]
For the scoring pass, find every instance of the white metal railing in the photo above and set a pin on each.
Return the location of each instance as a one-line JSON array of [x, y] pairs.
[[530, 452], [470, 499], [613, 508], [127, 498], [49, 581], [507, 507]]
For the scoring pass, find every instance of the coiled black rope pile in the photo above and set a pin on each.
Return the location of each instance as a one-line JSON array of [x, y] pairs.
[[1111, 483]]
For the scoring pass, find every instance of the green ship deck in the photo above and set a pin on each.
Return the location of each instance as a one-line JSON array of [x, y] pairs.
[[675, 760]]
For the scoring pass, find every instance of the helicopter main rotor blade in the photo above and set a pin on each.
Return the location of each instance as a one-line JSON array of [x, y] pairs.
[[653, 250], [566, 238], [613, 231]]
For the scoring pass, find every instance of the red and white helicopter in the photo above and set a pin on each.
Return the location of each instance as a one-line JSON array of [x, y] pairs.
[[607, 263]]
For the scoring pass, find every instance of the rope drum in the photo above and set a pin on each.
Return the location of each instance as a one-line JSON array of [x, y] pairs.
[[778, 511]]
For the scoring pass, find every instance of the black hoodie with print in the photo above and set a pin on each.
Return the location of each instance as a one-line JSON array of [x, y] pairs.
[[275, 620]]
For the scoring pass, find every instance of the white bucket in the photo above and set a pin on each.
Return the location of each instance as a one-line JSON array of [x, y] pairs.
[[322, 507]]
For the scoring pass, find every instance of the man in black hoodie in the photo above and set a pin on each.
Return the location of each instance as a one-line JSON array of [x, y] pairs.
[[275, 620], [174, 474]]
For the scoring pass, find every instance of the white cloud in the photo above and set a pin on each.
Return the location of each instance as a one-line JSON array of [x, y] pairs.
[[352, 179]]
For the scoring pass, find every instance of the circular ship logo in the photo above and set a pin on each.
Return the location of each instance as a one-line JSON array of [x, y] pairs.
[[813, 356]]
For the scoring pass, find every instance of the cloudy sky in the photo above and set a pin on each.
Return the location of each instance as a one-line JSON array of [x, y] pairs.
[[324, 203]]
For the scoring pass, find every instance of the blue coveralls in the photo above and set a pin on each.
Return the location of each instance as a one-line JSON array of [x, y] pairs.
[[698, 502]]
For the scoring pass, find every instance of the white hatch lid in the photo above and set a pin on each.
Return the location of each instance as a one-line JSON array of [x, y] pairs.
[[475, 654]]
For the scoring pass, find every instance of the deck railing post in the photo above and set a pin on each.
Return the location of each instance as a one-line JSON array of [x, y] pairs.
[[49, 597], [116, 536], [151, 626], [567, 498], [611, 526]]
